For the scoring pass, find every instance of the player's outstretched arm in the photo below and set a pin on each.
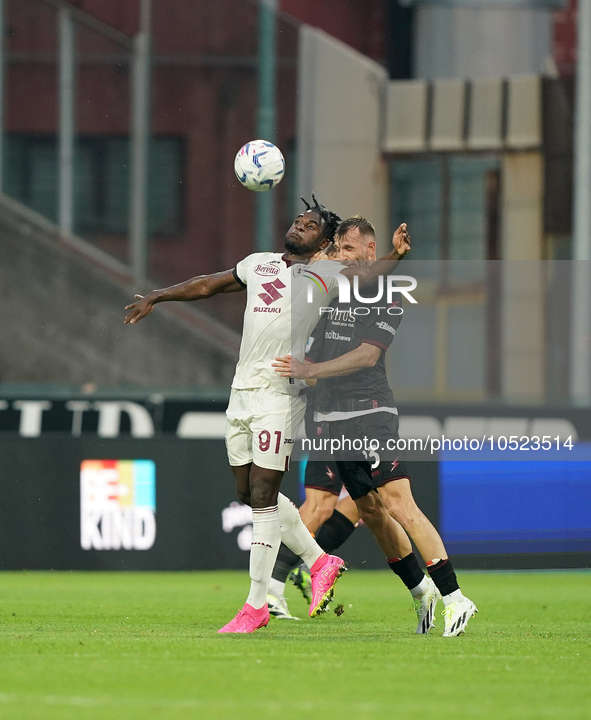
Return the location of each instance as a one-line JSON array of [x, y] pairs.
[[197, 288], [386, 264], [362, 357]]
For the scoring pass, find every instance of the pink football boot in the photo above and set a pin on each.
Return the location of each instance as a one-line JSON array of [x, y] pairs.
[[248, 620], [324, 574]]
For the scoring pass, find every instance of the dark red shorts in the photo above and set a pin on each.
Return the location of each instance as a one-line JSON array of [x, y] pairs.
[[322, 475]]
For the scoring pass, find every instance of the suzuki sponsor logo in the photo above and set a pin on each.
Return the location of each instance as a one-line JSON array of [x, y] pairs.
[[117, 504], [272, 294]]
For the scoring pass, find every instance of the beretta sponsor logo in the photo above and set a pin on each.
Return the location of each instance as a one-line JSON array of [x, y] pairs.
[[266, 270]]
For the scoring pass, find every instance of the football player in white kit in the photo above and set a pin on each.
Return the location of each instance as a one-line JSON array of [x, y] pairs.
[[265, 410]]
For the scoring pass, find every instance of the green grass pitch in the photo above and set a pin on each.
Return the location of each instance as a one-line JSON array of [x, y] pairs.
[[144, 645]]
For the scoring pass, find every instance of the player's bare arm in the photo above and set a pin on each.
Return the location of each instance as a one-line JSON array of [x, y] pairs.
[[310, 382], [386, 264], [362, 357], [197, 288]]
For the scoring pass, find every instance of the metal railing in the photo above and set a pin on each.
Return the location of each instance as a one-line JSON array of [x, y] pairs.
[[68, 18]]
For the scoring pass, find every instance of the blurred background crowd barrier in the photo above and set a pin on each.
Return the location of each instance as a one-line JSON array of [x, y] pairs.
[[119, 122]]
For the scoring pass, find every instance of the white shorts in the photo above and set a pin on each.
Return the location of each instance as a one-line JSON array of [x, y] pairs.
[[262, 427]]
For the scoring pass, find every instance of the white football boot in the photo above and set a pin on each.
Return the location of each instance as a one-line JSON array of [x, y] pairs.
[[425, 608], [278, 608], [456, 616]]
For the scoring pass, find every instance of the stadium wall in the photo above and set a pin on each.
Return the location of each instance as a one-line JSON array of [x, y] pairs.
[[340, 93], [195, 522], [113, 484], [63, 308]]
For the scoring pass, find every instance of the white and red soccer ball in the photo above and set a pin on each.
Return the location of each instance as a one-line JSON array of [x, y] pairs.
[[259, 165]]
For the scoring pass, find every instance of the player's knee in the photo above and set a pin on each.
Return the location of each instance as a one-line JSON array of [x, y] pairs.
[[319, 503], [320, 516], [327, 503], [264, 487], [263, 496], [372, 520], [397, 497], [323, 509], [244, 496], [404, 513], [371, 515]]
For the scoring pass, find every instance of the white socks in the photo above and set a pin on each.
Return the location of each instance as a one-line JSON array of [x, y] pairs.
[[266, 538], [270, 526], [452, 597], [277, 588], [295, 534], [421, 588]]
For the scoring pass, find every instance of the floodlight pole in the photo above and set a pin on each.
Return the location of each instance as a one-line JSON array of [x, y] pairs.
[[140, 141], [580, 346], [267, 63], [67, 123], [2, 83]]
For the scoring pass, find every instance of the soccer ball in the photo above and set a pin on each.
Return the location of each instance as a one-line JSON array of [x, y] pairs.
[[259, 165]]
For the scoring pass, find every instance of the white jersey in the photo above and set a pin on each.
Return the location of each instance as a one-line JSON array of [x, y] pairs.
[[282, 309]]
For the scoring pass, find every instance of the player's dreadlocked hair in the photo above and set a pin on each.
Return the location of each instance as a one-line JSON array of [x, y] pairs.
[[330, 220]]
